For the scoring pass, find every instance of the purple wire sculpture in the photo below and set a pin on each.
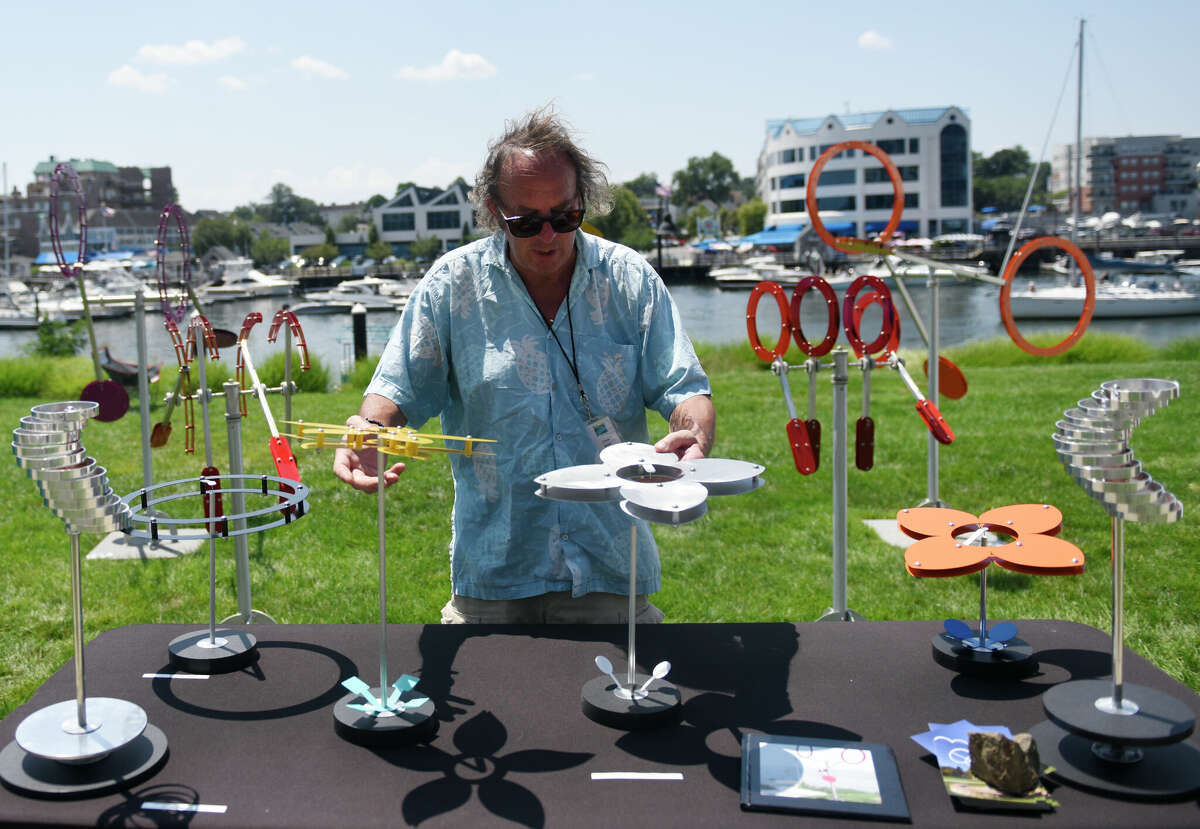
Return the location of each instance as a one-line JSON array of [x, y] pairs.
[[177, 313], [111, 395]]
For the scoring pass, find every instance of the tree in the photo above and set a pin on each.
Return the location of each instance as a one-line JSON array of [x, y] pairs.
[[285, 207], [267, 250], [425, 247], [751, 216], [379, 250], [692, 218], [402, 186], [704, 178], [372, 234], [1002, 178], [321, 254], [644, 186], [627, 222], [348, 223], [376, 200], [209, 233], [330, 237]]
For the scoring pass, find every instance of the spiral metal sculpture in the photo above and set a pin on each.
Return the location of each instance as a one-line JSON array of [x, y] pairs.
[[1092, 441]]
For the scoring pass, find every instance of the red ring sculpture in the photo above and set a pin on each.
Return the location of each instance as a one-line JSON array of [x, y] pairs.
[[831, 310], [860, 306], [781, 346], [810, 195], [177, 313], [1089, 300], [850, 322]]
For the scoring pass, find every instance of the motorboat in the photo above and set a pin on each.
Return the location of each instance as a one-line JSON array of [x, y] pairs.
[[1131, 299], [16, 305], [367, 291], [753, 270], [240, 280]]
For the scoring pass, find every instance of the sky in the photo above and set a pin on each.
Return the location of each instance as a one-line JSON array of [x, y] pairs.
[[343, 102]]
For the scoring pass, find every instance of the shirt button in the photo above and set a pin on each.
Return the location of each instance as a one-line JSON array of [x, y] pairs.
[[563, 536], [558, 436]]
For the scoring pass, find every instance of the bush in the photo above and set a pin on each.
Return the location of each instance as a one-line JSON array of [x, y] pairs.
[[57, 338], [364, 370], [315, 379]]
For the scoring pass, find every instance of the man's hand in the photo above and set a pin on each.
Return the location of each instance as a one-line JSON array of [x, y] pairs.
[[693, 424], [359, 468]]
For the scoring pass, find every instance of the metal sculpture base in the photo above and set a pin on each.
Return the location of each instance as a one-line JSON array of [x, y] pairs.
[[386, 730], [1136, 753], [226, 651], [603, 702], [123, 768], [847, 615], [1013, 661]]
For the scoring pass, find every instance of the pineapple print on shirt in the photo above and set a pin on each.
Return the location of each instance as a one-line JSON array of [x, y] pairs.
[[532, 365], [463, 297], [597, 297], [486, 478], [611, 389], [424, 341]]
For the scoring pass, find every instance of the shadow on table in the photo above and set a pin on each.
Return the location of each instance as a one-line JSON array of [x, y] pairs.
[[1072, 663]]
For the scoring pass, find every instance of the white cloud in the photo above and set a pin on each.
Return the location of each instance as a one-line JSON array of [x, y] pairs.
[[236, 84], [873, 41], [192, 52], [126, 75], [438, 172], [455, 66], [312, 67]]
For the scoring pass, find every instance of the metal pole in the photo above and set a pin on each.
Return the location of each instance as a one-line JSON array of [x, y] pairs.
[[77, 606], [1077, 194], [629, 673], [380, 522], [932, 466], [841, 378], [287, 372], [139, 317], [1118, 592], [233, 425], [983, 637], [212, 563]]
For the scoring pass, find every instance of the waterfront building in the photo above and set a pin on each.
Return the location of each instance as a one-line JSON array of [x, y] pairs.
[[930, 147], [420, 212], [1132, 174]]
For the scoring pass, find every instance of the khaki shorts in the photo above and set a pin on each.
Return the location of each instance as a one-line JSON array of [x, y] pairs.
[[559, 608]]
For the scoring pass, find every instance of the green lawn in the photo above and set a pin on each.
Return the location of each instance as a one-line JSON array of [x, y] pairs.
[[758, 557]]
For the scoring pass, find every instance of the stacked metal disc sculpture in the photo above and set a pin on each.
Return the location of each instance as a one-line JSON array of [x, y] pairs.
[[1118, 738], [650, 486], [83, 746]]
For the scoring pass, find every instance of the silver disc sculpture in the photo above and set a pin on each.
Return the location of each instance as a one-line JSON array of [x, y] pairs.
[[1113, 737], [85, 746], [650, 486]]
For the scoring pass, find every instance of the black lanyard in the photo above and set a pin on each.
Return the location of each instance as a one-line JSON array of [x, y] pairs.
[[571, 361]]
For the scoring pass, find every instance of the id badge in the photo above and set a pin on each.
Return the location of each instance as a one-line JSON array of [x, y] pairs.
[[603, 432]]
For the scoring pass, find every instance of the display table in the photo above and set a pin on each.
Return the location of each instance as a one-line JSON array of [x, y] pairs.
[[513, 746]]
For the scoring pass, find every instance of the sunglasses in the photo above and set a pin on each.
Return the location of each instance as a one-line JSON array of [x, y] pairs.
[[561, 221]]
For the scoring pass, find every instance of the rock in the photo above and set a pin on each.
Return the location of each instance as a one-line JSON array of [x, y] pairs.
[[1012, 766]]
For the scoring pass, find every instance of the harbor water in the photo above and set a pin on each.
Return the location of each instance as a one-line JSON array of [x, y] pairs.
[[969, 312]]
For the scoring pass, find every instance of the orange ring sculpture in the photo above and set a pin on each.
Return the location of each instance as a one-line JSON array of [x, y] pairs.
[[831, 314], [850, 320], [860, 306], [1089, 300], [810, 196], [781, 346]]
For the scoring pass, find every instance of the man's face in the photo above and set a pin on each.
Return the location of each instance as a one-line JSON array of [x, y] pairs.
[[533, 185]]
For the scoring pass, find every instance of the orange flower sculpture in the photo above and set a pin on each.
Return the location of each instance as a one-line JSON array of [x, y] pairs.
[[945, 545]]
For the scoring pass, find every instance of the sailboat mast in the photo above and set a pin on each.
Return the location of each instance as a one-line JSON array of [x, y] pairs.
[[1077, 202]]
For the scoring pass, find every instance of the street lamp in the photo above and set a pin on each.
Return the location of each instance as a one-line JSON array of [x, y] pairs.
[[666, 227]]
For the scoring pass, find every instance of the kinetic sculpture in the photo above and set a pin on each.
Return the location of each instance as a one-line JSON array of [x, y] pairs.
[[1118, 738], [79, 747], [1021, 538], [656, 487], [384, 717], [112, 397]]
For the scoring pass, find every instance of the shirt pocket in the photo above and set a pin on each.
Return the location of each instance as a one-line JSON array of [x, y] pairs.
[[609, 372]]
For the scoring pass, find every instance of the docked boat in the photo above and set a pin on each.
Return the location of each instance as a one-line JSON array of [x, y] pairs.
[[240, 280], [1112, 301], [125, 373], [753, 270], [368, 292]]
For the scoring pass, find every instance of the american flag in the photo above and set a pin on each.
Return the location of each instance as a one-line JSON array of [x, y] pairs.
[[663, 190]]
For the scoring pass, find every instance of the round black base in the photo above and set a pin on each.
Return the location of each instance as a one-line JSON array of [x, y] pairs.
[[1013, 661], [383, 731], [191, 652], [1169, 772], [1160, 719], [126, 767], [662, 705]]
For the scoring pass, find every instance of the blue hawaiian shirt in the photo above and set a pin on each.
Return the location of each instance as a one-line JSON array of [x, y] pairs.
[[472, 347]]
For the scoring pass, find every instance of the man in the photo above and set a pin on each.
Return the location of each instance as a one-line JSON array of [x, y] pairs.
[[542, 338]]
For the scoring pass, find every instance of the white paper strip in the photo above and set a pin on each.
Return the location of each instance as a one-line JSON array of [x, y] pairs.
[[174, 676], [162, 806], [637, 775]]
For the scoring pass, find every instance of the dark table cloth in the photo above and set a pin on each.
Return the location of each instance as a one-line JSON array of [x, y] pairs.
[[513, 747]]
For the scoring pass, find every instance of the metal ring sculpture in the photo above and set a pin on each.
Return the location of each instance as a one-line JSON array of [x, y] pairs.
[[177, 313], [146, 523], [1092, 441], [831, 314], [67, 171], [75, 487], [790, 327], [810, 197], [850, 320], [1089, 300]]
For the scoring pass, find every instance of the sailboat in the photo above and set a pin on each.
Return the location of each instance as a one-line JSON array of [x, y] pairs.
[[1115, 298]]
